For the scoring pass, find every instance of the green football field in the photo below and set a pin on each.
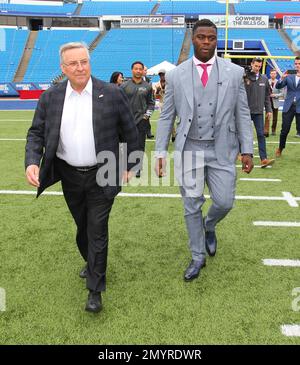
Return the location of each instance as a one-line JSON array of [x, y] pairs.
[[236, 300]]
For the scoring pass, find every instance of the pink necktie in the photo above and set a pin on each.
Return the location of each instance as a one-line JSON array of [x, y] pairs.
[[204, 77]]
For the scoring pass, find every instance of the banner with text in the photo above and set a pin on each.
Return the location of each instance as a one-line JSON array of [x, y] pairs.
[[164, 21], [239, 21], [290, 21]]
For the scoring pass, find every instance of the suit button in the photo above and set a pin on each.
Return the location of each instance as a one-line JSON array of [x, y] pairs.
[[200, 137], [200, 127], [211, 115], [190, 120], [212, 126], [184, 135], [199, 104]]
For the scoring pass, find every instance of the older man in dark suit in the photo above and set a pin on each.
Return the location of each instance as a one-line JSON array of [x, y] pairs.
[[75, 137]]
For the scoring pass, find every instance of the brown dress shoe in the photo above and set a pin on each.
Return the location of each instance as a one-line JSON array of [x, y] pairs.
[[278, 152], [267, 162]]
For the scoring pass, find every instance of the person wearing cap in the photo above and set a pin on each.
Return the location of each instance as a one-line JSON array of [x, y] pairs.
[[159, 93]]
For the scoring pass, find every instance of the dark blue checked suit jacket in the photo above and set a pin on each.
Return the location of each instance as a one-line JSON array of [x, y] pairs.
[[113, 123]]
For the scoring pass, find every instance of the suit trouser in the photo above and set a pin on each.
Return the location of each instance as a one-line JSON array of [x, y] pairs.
[[287, 119], [90, 209], [258, 120], [193, 173], [274, 121]]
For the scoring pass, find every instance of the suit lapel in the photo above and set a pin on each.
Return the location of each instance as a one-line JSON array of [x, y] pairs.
[[186, 78], [58, 104], [223, 81], [99, 98]]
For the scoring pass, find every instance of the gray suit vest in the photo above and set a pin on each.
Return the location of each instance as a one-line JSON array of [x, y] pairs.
[[205, 104]]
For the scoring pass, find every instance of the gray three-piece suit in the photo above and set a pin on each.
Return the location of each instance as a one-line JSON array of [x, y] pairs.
[[214, 124]]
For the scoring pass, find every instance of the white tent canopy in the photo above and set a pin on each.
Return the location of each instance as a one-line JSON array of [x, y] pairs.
[[163, 65]]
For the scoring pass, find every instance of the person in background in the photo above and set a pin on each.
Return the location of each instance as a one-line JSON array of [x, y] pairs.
[[275, 95], [291, 106], [140, 95], [258, 95], [159, 93], [117, 78]]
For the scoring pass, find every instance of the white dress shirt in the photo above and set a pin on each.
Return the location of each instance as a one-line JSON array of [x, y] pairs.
[[297, 80], [200, 69], [76, 142]]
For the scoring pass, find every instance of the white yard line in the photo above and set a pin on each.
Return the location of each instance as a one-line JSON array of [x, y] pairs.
[[291, 330], [257, 179], [276, 224], [281, 262], [12, 139], [150, 195]]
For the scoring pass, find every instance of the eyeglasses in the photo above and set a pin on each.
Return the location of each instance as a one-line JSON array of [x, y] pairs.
[[75, 64]]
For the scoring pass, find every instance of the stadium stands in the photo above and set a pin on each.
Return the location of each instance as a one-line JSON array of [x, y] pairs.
[[121, 47], [37, 9], [272, 38], [15, 41], [117, 8], [267, 7], [191, 7], [44, 63]]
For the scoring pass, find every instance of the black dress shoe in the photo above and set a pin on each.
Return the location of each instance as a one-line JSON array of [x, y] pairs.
[[83, 272], [211, 243], [94, 302], [138, 174], [193, 271], [150, 136]]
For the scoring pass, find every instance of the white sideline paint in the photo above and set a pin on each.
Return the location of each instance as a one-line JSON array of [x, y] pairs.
[[256, 179], [151, 195], [276, 224], [290, 199], [291, 330], [281, 262], [255, 166], [12, 139]]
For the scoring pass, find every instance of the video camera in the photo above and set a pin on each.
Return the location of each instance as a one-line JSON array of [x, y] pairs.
[[249, 75]]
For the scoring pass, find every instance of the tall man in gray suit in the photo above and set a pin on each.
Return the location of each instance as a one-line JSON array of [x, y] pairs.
[[207, 94], [77, 125]]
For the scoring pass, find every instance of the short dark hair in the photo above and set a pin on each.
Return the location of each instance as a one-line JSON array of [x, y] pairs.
[[137, 63], [297, 58], [204, 23], [257, 59]]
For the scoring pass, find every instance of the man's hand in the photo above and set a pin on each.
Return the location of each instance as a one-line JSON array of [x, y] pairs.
[[32, 175], [126, 177], [269, 114], [247, 163], [284, 75], [160, 167]]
